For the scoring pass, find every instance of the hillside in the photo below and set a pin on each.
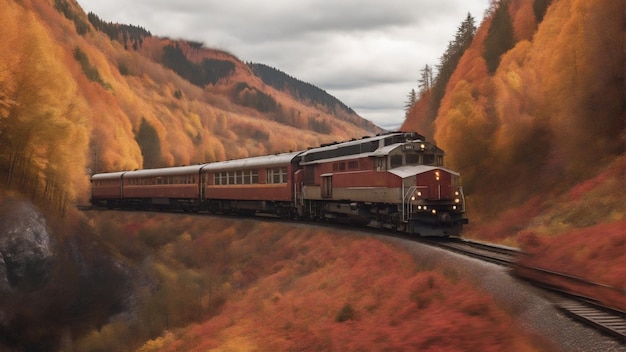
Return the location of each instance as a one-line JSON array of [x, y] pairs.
[[533, 119], [79, 95], [229, 284], [531, 112]]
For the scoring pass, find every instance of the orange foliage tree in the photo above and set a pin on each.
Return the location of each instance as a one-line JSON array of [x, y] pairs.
[[43, 124], [552, 108]]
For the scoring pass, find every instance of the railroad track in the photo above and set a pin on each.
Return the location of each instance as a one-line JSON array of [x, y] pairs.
[[574, 296], [497, 254], [570, 294]]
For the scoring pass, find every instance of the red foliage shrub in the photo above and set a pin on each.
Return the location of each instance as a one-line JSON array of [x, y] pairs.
[[596, 253], [286, 287]]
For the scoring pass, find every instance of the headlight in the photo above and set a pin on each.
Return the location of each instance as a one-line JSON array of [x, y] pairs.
[[456, 193], [419, 194], [434, 211], [413, 198], [454, 207], [457, 200]]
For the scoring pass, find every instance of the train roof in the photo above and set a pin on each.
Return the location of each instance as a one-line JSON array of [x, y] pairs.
[[165, 171], [108, 175], [274, 160], [358, 147]]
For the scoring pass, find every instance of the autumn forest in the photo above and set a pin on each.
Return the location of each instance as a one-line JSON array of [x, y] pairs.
[[527, 105]]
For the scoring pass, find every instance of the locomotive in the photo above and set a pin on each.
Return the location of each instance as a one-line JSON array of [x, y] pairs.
[[394, 180]]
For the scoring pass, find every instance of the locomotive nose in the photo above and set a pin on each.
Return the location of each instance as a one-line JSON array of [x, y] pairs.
[[445, 218]]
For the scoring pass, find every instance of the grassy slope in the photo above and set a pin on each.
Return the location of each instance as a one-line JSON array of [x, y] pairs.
[[229, 284]]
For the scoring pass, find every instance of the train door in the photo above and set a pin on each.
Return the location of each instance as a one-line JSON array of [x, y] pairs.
[[202, 180], [327, 186], [381, 164], [298, 182]]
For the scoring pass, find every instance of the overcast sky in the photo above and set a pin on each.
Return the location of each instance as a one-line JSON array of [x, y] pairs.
[[366, 53]]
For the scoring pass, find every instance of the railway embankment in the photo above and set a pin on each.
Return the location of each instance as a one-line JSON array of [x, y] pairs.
[[531, 307]]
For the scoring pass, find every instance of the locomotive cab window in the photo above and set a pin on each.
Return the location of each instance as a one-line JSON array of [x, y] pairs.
[[395, 161], [412, 159]]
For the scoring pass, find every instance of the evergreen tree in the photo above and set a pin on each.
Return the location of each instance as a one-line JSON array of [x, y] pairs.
[[426, 79], [150, 145], [450, 59], [412, 98], [539, 8], [500, 37]]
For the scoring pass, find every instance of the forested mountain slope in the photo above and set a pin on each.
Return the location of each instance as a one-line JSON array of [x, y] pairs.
[[80, 95], [533, 118]]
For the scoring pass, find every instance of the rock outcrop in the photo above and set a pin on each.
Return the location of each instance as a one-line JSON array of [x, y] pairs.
[[25, 245]]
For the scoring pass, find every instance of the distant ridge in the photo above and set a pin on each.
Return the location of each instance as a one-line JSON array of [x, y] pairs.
[[303, 91]]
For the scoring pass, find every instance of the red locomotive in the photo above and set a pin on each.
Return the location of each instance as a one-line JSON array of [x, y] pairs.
[[395, 180]]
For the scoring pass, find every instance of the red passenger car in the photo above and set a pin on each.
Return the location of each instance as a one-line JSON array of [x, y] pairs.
[[165, 188], [106, 189], [259, 184]]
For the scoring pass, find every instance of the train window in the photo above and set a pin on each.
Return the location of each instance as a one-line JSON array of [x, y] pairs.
[[412, 159], [369, 146], [429, 159], [276, 175], [255, 176], [276, 178], [239, 177], [353, 164], [340, 166], [396, 161], [217, 180], [439, 160], [231, 177]]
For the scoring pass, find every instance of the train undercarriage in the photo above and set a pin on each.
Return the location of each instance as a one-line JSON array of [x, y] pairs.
[[387, 216]]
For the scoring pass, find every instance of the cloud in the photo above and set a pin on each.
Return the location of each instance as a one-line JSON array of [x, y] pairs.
[[361, 51]]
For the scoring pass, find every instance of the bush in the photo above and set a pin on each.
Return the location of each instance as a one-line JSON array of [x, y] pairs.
[[346, 313]]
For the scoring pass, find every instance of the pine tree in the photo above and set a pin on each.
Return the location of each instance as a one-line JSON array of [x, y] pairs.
[[412, 98], [148, 140], [449, 60], [426, 79], [500, 37]]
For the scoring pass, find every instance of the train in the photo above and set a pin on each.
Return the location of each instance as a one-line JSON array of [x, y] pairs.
[[393, 180]]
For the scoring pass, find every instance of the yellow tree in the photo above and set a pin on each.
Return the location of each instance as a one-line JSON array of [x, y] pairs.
[[578, 53], [44, 129]]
